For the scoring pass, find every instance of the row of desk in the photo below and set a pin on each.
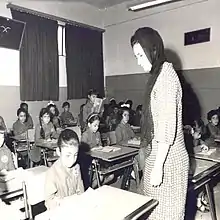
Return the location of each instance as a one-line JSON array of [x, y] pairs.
[[207, 167]]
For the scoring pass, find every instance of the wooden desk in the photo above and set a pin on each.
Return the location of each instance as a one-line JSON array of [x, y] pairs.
[[34, 179], [116, 160], [204, 173], [108, 203], [215, 157]]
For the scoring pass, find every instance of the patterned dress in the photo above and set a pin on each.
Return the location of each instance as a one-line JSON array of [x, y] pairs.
[[166, 105]]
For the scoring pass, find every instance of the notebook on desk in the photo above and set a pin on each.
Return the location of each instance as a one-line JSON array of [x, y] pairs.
[[208, 153]]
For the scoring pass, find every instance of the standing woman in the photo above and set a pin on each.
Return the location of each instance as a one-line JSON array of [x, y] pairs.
[[165, 174]]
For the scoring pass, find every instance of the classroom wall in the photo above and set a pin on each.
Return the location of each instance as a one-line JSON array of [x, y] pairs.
[[200, 63], [9, 74]]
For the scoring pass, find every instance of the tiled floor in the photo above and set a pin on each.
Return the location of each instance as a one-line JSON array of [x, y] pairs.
[[199, 215]]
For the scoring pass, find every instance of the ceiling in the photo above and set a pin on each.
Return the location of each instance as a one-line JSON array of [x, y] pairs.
[[101, 4]]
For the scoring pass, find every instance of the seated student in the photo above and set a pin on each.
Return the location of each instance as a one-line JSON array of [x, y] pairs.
[[20, 127], [2, 123], [88, 108], [113, 119], [213, 131], [137, 116], [124, 132], [54, 115], [6, 159], [91, 139], [29, 121], [45, 130], [66, 117], [131, 112], [64, 177], [92, 136]]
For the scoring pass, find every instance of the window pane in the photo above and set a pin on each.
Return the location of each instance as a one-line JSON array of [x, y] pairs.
[[60, 43], [64, 46]]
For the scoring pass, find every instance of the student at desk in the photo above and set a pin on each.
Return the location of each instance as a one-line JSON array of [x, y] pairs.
[[64, 177], [124, 132], [213, 131], [91, 139], [20, 127], [44, 132], [6, 160]]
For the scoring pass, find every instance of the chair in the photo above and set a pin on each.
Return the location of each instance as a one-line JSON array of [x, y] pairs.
[[27, 143], [112, 137]]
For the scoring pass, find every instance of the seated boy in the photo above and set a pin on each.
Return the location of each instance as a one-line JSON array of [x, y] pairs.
[[212, 128], [64, 176], [66, 117]]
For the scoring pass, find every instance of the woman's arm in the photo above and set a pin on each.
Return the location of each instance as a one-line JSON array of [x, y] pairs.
[[167, 115]]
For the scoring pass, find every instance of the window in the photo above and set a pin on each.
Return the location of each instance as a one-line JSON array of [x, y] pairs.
[[61, 40]]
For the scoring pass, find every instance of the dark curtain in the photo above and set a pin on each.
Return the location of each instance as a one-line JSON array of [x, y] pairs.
[[39, 61], [84, 61]]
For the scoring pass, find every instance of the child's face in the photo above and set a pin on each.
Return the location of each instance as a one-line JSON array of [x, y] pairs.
[[66, 108], [116, 110], [2, 138], [52, 110], [92, 98], [125, 117], [214, 120], [94, 126], [25, 107], [22, 117], [45, 118], [69, 153]]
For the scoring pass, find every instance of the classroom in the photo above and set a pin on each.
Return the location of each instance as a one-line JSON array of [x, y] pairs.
[[109, 110]]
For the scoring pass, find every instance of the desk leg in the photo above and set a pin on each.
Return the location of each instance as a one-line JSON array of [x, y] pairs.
[[211, 203], [126, 178], [97, 173], [136, 172], [44, 157]]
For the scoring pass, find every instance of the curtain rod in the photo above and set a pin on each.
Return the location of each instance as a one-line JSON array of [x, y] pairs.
[[52, 17]]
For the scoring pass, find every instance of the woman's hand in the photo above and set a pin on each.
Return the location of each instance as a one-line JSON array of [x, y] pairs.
[[156, 177]]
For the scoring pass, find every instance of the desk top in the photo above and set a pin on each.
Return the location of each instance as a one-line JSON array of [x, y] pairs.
[[123, 152], [48, 144], [105, 202], [34, 179], [215, 156], [204, 171]]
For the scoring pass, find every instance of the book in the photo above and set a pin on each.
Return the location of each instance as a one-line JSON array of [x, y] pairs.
[[98, 105]]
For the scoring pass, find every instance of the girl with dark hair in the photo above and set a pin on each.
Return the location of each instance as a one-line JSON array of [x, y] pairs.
[[124, 132], [54, 115], [45, 130], [165, 176], [64, 176], [29, 121], [20, 127]]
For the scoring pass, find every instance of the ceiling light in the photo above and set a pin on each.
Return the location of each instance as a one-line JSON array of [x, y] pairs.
[[149, 4]]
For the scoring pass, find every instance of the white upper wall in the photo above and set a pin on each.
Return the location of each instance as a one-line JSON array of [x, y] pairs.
[[76, 11], [172, 21]]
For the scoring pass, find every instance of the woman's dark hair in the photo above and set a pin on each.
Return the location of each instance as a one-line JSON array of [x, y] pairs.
[[66, 104], [211, 113], [56, 110], [121, 111], [152, 44], [24, 111], [92, 117], [65, 136], [92, 92], [43, 111]]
